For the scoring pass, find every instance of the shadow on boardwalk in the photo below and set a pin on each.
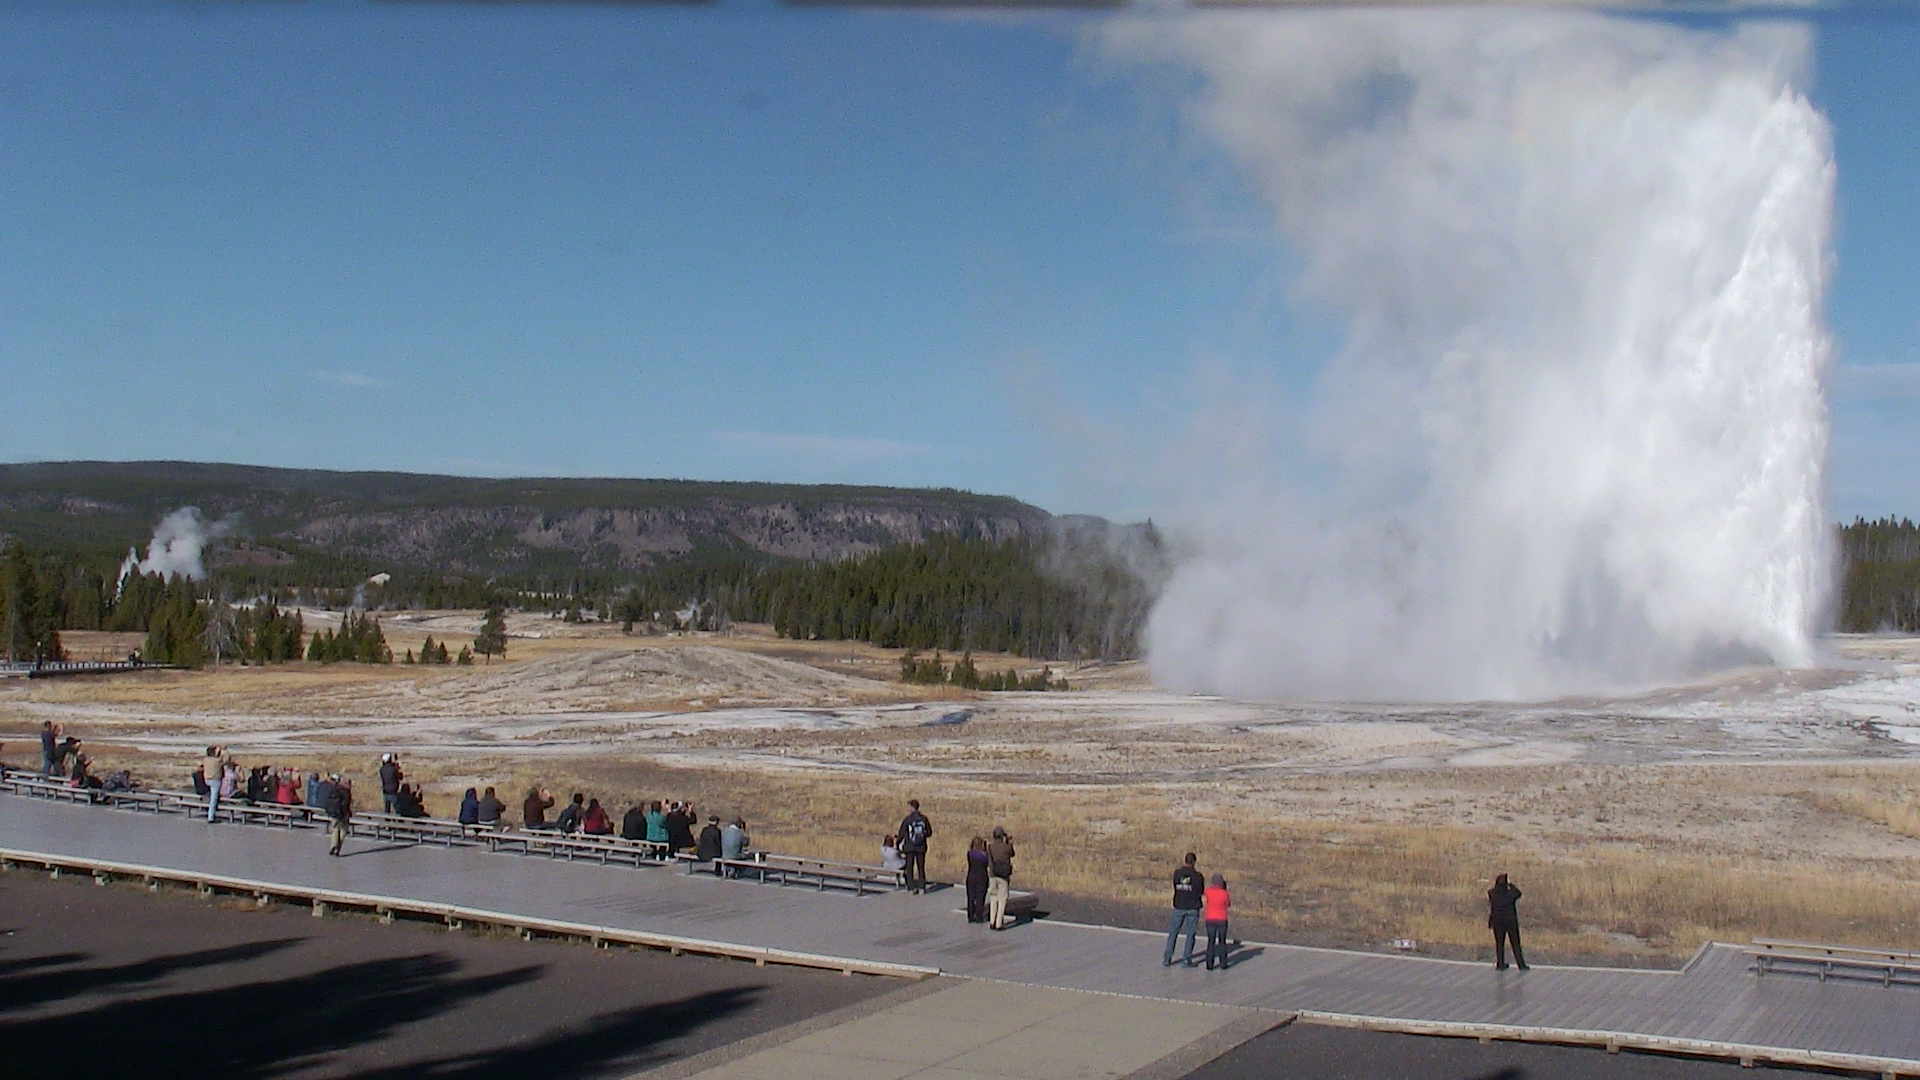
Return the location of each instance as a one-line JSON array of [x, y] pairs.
[[273, 1027]]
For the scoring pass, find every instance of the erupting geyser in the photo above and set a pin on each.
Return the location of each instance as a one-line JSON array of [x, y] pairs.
[[1576, 435]]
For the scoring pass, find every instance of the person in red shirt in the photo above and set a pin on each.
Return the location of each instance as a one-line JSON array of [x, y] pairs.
[[596, 822], [1213, 908]]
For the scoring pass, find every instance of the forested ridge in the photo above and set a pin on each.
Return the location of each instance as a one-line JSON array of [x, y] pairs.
[[1063, 594]]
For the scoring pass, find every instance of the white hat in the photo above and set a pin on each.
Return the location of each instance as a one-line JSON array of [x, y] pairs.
[[386, 757]]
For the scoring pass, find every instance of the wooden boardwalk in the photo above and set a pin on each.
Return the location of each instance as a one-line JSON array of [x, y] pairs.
[[1715, 1005]]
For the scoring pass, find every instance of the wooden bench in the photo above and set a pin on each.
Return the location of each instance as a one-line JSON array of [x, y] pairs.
[[418, 829], [1768, 953], [822, 874], [49, 788], [605, 849]]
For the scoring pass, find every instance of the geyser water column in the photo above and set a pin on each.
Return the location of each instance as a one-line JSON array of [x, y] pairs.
[[1576, 435]]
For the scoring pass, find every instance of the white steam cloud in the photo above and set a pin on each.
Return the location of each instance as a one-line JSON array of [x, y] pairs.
[[178, 545], [1576, 435]]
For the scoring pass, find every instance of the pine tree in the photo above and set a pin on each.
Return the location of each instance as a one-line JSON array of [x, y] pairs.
[[466, 656], [492, 639]]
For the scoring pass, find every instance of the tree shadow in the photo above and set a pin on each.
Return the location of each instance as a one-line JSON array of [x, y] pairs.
[[255, 1029], [19, 991], [28, 963], [613, 1043]]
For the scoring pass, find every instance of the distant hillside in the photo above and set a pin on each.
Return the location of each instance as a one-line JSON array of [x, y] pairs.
[[482, 526]]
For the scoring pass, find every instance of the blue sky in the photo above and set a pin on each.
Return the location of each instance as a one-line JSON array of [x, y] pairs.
[[737, 242]]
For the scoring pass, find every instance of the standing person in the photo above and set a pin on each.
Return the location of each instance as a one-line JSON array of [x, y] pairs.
[[390, 776], [915, 831], [1503, 918], [656, 823], [340, 810], [999, 877], [1215, 906], [214, 766], [977, 880], [1189, 889], [679, 822], [49, 738]]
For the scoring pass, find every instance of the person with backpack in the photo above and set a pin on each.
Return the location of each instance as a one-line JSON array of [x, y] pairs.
[[999, 877], [1189, 888], [571, 817], [1503, 918], [915, 831]]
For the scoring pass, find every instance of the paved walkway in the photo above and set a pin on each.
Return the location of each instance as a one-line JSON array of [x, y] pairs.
[[1717, 998]]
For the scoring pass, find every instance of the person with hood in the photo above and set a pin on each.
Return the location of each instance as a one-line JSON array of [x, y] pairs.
[[999, 877], [656, 823], [915, 831], [707, 848], [390, 776], [1189, 888], [679, 822], [1215, 905], [470, 807], [596, 822], [977, 880], [1503, 918], [340, 812], [491, 810]]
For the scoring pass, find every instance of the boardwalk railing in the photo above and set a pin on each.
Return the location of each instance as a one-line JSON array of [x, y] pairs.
[[1890, 964], [47, 669]]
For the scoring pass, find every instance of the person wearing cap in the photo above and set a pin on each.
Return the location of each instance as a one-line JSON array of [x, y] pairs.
[[1214, 907], [340, 810], [390, 776], [707, 847]]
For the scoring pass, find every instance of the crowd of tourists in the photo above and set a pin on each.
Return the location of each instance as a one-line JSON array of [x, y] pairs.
[[1197, 900]]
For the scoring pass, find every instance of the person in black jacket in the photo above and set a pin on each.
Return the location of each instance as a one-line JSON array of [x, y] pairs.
[[680, 821], [915, 831], [1188, 889], [633, 826], [574, 813], [707, 848], [390, 776], [340, 810], [1503, 918]]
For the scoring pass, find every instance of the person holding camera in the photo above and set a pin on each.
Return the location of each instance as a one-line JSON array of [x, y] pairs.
[[1503, 918], [999, 877]]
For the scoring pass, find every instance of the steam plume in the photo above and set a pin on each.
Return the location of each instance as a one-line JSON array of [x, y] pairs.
[[178, 543], [1575, 437]]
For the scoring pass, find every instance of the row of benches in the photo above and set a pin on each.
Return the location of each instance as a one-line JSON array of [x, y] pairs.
[[769, 867]]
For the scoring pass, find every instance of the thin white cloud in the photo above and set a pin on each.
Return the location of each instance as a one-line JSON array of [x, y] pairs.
[[820, 449], [352, 379]]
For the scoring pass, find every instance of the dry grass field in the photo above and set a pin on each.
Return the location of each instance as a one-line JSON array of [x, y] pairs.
[[1637, 829]]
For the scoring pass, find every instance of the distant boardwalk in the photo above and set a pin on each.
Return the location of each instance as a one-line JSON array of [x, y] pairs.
[[1716, 1005], [48, 669]]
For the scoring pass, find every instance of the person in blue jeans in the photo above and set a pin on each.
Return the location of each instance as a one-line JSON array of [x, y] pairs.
[[1188, 890], [215, 764]]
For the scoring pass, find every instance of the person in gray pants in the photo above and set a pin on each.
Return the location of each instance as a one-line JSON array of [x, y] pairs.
[[1188, 889]]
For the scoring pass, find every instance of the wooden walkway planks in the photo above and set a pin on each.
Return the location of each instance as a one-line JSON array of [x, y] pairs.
[[1718, 999]]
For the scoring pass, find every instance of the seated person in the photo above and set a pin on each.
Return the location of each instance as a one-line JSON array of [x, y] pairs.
[[491, 810], [734, 841], [707, 848], [596, 822], [534, 810], [634, 825], [890, 857], [284, 790], [656, 823], [679, 824], [408, 802], [200, 781], [569, 819], [470, 808]]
